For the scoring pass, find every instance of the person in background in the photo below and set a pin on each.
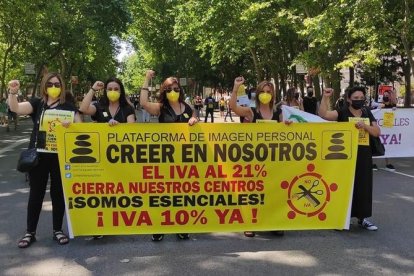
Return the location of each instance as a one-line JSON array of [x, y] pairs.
[[388, 102], [170, 108], [113, 107], [310, 103], [222, 106], [53, 98], [198, 106], [228, 111], [11, 116], [209, 103], [293, 99], [362, 193], [3, 112], [265, 98]]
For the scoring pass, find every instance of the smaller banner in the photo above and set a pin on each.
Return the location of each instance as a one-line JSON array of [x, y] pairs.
[[48, 122], [397, 131]]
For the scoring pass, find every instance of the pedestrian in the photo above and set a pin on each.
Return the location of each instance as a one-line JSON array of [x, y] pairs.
[[222, 106], [265, 98], [362, 192], [198, 106], [3, 112], [113, 107], [209, 103], [228, 113], [388, 102], [11, 116], [53, 98], [170, 108], [310, 103]]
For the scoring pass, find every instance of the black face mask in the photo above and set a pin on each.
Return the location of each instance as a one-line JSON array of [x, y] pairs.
[[357, 104], [296, 96], [385, 99], [310, 94]]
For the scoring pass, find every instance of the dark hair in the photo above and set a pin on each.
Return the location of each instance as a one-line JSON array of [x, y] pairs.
[[122, 98], [352, 90], [290, 95]]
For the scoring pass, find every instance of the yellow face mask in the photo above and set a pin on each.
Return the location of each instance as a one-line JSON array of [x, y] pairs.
[[113, 96], [265, 98], [173, 96], [53, 92]]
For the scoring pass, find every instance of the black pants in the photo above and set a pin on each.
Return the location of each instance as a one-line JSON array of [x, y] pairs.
[[209, 111], [228, 113], [38, 178]]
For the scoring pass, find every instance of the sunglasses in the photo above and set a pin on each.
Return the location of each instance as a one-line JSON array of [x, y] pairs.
[[168, 90], [51, 84]]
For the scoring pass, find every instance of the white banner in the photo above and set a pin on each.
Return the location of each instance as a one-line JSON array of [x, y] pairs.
[[299, 116], [397, 136], [397, 131]]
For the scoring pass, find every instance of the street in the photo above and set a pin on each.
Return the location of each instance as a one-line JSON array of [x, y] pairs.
[[388, 251]]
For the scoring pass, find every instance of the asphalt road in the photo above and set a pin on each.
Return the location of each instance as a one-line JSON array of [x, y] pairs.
[[388, 251]]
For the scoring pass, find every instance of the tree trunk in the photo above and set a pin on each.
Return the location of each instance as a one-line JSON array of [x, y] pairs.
[[351, 76], [3, 71], [404, 35], [336, 84], [259, 74], [316, 86], [407, 76]]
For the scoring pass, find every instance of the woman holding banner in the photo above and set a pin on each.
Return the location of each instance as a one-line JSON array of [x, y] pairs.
[[170, 108], [265, 98], [113, 107], [362, 196], [53, 98]]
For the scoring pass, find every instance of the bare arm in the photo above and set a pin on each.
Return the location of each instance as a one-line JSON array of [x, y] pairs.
[[131, 118], [151, 108], [324, 107], [242, 111], [86, 107], [24, 108]]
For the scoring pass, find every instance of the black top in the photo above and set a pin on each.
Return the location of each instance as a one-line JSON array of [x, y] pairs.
[[209, 102], [389, 105], [258, 116], [345, 113], [167, 114], [310, 104], [103, 115], [38, 108]]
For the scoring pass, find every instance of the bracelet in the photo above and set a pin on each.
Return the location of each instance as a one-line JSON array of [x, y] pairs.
[[94, 90], [10, 93], [145, 88]]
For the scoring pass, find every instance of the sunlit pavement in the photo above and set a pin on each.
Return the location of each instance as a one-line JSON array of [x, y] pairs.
[[389, 251]]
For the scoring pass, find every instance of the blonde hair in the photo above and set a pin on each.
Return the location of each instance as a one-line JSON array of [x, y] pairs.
[[259, 89]]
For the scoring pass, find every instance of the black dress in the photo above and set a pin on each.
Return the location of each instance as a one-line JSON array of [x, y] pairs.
[[167, 114], [103, 115], [258, 116], [362, 196]]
